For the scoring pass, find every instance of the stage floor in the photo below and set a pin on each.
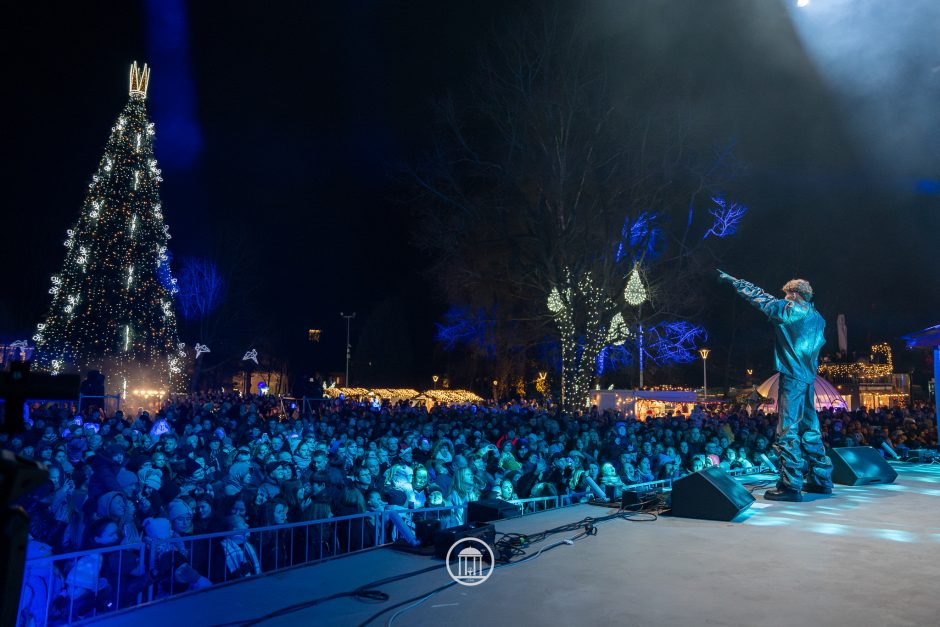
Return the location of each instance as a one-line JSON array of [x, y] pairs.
[[866, 555]]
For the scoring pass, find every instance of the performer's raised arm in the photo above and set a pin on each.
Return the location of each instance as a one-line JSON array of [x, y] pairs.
[[779, 310]]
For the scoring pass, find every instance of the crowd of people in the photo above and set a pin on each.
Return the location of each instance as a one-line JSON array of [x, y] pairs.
[[202, 464]]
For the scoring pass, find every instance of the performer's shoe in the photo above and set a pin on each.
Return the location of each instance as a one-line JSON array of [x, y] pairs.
[[783, 495], [815, 488]]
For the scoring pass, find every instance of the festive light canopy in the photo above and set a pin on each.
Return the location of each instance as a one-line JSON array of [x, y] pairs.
[[112, 303], [346, 392], [395, 394], [453, 396], [438, 396]]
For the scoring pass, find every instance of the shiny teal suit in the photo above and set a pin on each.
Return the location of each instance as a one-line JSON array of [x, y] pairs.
[[798, 336]]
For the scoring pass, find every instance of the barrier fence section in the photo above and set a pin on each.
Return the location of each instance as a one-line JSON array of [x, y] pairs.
[[665, 485], [68, 588], [64, 589]]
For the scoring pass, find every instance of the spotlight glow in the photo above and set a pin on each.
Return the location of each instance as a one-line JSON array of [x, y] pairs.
[[802, 3]]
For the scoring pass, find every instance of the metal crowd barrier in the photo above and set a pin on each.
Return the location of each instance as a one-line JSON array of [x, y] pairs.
[[73, 587], [537, 504], [665, 485], [68, 588]]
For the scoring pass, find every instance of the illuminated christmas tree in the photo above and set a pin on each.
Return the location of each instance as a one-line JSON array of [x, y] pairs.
[[112, 303]]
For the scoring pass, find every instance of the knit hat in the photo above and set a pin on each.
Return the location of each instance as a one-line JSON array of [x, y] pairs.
[[239, 471], [272, 466], [127, 480], [157, 528], [104, 503], [269, 489], [396, 497], [177, 508], [152, 478], [85, 572], [76, 448]]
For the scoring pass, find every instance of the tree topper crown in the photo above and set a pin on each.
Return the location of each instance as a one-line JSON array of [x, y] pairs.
[[140, 80]]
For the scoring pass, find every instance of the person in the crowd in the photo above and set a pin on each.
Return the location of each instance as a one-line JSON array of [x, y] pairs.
[[234, 556]]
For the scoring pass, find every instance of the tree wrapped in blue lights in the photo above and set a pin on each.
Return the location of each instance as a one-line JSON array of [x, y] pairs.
[[113, 301]]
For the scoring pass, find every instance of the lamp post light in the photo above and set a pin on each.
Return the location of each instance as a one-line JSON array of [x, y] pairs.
[[495, 384], [435, 378], [704, 353], [635, 294], [348, 317]]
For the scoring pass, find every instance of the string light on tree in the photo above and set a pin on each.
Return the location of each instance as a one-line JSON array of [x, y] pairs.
[[579, 353], [634, 293], [555, 304], [112, 301], [618, 332]]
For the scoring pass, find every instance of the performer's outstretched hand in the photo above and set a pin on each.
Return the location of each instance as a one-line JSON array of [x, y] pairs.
[[725, 278]]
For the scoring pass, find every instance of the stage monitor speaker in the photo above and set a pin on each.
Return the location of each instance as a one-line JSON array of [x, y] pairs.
[[491, 509], [710, 494], [445, 538], [859, 465]]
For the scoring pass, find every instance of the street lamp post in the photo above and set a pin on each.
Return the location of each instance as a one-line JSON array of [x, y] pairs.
[[348, 317], [704, 353], [635, 294]]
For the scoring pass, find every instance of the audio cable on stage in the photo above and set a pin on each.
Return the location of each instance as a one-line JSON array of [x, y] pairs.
[[509, 551], [367, 592]]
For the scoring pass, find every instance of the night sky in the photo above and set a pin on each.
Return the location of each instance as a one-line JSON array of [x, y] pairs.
[[294, 121]]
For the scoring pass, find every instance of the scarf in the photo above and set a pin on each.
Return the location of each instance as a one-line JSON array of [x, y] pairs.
[[238, 554]]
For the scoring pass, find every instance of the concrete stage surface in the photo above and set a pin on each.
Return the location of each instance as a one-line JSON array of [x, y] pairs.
[[867, 555]]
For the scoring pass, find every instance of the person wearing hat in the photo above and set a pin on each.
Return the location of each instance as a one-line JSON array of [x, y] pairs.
[[180, 516], [105, 468], [171, 572], [618, 441], [149, 501], [798, 337]]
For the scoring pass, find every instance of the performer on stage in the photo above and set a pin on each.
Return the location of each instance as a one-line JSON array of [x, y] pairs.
[[798, 330]]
